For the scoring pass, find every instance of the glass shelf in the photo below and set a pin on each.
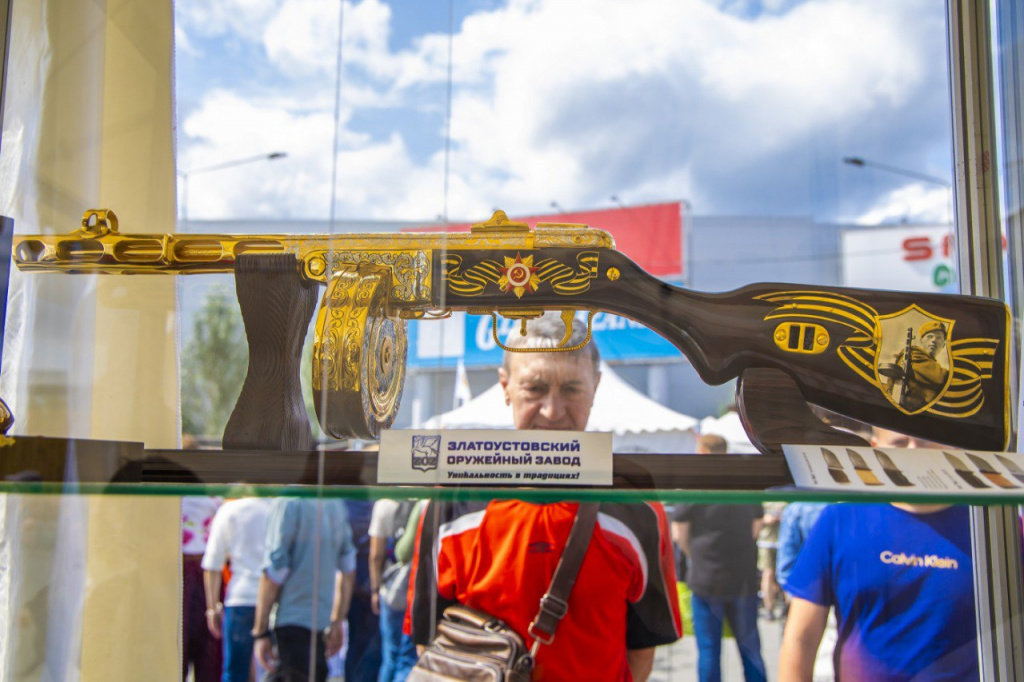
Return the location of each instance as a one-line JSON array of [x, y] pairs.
[[55, 466], [483, 493]]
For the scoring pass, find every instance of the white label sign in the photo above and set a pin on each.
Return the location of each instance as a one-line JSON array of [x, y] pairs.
[[508, 457], [908, 471], [912, 258]]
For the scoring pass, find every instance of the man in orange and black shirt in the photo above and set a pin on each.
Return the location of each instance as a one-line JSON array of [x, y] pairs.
[[499, 556]]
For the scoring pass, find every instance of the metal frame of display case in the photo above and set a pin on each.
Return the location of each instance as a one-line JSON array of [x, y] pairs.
[[999, 587], [995, 531], [5, 45]]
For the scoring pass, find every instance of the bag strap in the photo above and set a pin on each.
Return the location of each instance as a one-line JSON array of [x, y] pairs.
[[555, 602]]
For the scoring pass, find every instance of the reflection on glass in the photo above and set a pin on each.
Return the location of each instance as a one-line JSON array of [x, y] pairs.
[[891, 470], [990, 472], [964, 471], [1012, 467], [420, 144], [864, 472], [835, 467]]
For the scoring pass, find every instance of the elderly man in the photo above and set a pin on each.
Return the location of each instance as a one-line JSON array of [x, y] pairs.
[[499, 557]]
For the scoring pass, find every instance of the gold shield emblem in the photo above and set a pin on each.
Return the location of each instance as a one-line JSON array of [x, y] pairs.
[[877, 345], [914, 363]]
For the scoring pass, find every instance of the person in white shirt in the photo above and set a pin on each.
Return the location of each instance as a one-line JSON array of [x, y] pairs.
[[238, 535]]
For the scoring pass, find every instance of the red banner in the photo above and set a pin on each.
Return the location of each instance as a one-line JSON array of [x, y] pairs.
[[650, 235]]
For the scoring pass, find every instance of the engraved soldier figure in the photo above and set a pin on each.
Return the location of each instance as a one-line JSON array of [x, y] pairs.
[[922, 376]]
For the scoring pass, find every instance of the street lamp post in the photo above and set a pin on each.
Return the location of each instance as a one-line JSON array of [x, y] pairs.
[[272, 156], [865, 163]]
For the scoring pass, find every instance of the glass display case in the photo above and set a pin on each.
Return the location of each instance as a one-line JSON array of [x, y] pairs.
[[249, 241]]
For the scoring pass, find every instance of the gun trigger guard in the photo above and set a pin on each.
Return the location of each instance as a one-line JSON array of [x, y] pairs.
[[441, 314], [567, 317]]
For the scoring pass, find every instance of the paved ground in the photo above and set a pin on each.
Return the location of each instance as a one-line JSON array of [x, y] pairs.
[[679, 661]]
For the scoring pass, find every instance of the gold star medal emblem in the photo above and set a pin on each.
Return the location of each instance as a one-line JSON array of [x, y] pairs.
[[519, 275]]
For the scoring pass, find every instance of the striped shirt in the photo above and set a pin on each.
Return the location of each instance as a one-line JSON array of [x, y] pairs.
[[500, 557]]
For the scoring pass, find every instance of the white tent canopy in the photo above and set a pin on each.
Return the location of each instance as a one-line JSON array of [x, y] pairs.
[[637, 423], [729, 427]]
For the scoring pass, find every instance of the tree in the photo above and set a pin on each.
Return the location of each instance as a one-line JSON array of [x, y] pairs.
[[213, 364]]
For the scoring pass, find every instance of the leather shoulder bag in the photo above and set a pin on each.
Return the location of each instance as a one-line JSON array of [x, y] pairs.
[[473, 646]]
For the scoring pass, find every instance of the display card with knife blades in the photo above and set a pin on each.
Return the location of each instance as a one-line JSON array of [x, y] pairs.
[[906, 470]]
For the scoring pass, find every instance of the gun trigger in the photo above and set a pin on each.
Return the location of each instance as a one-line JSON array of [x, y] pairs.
[[568, 315]]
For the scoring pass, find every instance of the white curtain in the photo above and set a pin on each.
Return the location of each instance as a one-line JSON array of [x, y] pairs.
[[88, 122]]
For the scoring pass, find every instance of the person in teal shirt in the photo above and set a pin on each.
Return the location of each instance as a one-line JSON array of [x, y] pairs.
[[309, 573]]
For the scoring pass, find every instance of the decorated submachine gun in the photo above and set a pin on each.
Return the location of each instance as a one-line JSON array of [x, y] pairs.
[[829, 341]]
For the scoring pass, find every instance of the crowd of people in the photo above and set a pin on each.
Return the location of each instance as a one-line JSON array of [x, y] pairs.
[[301, 572]]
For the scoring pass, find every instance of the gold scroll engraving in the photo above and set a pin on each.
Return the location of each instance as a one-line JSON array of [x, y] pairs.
[[358, 354], [563, 279], [960, 366], [410, 270]]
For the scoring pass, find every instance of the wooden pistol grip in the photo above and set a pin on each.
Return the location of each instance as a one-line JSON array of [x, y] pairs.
[[277, 303], [774, 412]]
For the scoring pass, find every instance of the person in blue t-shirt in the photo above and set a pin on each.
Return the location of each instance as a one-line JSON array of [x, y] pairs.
[[899, 577]]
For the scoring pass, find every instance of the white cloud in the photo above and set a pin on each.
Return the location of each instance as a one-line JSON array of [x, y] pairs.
[[182, 43], [226, 127], [301, 38], [649, 100], [374, 179], [742, 90], [243, 18], [819, 64], [916, 203]]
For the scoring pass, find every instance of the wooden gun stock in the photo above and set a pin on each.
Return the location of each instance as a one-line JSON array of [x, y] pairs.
[[831, 340]]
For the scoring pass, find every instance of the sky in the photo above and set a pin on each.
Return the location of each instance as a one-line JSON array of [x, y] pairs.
[[737, 107]]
